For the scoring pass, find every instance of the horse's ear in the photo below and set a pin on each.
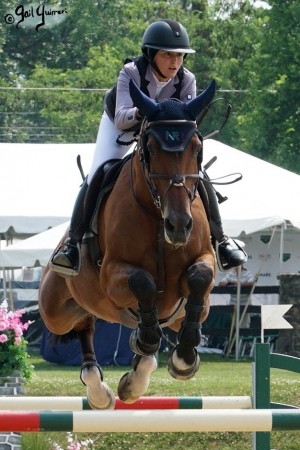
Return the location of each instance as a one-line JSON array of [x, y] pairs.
[[196, 105], [145, 105]]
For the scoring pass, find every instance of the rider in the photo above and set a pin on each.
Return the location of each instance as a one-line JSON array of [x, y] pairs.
[[160, 74]]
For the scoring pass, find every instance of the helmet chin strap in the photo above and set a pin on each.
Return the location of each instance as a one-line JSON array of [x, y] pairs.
[[153, 64], [155, 67]]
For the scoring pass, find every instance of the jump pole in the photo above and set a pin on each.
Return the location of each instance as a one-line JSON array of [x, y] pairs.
[[147, 421], [81, 403]]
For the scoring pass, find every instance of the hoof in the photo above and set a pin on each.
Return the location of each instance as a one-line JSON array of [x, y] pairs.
[[123, 390], [142, 349], [183, 374], [135, 383], [111, 400], [99, 394]]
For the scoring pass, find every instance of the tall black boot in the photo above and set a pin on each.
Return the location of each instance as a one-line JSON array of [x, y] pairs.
[[66, 261], [228, 252]]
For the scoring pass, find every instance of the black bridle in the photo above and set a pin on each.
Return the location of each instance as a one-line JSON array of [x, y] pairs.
[[176, 180]]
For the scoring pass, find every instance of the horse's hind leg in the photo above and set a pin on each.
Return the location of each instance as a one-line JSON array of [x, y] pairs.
[[99, 394], [184, 361]]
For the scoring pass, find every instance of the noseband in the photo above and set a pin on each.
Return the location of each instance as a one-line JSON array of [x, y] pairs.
[[173, 137]]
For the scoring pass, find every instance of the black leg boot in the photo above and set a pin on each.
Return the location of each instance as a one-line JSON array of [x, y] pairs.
[[228, 252], [66, 260]]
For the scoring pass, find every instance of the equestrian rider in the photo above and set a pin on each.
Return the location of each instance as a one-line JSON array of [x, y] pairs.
[[160, 74]]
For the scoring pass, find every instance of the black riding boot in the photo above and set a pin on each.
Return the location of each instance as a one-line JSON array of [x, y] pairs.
[[66, 261], [228, 252]]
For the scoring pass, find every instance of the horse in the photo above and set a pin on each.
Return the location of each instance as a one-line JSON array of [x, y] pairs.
[[158, 263]]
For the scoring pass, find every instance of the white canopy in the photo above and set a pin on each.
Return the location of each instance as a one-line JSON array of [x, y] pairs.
[[34, 251], [47, 188], [266, 196], [38, 185]]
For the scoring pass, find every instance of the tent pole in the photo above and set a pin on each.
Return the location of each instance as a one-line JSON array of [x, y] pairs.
[[237, 316], [283, 227]]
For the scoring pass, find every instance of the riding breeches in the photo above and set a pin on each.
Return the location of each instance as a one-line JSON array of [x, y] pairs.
[[106, 146]]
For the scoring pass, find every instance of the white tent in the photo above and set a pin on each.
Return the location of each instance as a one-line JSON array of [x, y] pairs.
[[34, 251], [266, 195], [262, 199], [38, 185]]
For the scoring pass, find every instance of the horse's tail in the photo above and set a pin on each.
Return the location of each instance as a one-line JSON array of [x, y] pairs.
[[54, 339]]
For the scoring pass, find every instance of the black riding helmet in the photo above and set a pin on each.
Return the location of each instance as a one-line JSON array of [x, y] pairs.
[[166, 35]]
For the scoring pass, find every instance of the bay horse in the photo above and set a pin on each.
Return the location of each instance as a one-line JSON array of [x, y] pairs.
[[158, 262]]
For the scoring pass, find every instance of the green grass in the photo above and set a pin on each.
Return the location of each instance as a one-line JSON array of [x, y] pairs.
[[217, 376]]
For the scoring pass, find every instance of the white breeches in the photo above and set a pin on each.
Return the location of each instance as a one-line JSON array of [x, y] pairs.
[[106, 146]]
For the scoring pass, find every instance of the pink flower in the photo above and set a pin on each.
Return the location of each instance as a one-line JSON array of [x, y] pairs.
[[74, 446], [18, 340], [18, 331], [3, 338], [3, 324]]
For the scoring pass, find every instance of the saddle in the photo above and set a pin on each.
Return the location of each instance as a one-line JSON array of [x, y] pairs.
[[100, 186]]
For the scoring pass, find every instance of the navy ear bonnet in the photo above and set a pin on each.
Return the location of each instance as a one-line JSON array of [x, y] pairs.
[[172, 136], [171, 109]]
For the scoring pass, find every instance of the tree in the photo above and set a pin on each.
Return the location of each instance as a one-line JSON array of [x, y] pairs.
[[251, 52], [271, 127]]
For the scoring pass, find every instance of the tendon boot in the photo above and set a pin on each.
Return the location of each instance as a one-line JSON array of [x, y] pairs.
[[229, 252], [67, 259]]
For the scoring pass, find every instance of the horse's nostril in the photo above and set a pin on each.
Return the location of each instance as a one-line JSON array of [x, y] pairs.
[[168, 226], [189, 225]]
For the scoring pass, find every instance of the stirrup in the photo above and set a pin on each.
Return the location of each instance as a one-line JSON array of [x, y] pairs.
[[64, 271], [225, 266]]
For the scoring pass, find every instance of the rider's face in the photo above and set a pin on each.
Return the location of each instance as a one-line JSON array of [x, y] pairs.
[[168, 63]]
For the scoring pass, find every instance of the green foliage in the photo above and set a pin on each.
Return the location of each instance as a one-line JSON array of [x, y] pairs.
[[14, 358], [251, 52]]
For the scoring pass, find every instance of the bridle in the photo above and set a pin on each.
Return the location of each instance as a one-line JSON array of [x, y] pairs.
[[176, 180]]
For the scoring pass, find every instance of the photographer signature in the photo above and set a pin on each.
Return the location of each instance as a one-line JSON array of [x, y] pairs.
[[32, 12]]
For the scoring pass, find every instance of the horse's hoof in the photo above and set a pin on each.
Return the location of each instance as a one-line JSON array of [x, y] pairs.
[[183, 374], [135, 383], [124, 393], [142, 349], [99, 394], [109, 394]]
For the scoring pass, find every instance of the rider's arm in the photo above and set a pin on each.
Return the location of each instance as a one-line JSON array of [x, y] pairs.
[[126, 115]]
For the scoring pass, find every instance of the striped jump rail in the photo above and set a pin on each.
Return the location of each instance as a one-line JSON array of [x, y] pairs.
[[81, 403], [147, 421]]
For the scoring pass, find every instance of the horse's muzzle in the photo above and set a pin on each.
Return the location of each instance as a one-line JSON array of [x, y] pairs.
[[178, 229]]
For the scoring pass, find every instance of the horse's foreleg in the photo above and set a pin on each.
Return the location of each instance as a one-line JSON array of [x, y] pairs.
[[145, 340], [184, 361], [99, 394]]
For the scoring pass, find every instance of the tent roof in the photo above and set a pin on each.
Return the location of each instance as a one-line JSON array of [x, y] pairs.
[[34, 251], [38, 185], [263, 198], [43, 195]]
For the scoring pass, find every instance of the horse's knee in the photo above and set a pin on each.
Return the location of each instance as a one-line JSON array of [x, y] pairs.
[[142, 284], [145, 340], [200, 276]]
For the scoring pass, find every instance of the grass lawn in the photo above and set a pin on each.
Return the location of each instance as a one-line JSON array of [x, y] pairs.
[[217, 376]]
